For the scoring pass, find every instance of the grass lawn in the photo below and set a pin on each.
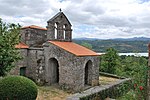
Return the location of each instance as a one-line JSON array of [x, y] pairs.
[[51, 93], [104, 80]]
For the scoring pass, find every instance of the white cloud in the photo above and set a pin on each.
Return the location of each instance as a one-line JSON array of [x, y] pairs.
[[96, 19]]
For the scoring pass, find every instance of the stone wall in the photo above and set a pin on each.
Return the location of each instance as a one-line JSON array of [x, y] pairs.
[[35, 68], [20, 63], [113, 90], [33, 37], [33, 61], [71, 67], [60, 27]]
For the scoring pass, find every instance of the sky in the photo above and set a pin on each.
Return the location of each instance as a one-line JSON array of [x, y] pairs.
[[103, 19]]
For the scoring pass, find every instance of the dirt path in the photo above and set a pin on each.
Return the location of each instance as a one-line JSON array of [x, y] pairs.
[[51, 93]]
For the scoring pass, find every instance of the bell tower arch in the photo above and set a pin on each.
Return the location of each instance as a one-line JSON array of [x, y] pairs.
[[59, 28]]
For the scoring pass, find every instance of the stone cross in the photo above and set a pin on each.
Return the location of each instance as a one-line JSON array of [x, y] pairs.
[[60, 10]]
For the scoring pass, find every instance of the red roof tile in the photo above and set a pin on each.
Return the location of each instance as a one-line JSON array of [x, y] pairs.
[[34, 27], [21, 45], [74, 48]]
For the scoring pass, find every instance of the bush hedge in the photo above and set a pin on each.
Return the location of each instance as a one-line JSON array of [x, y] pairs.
[[17, 88]]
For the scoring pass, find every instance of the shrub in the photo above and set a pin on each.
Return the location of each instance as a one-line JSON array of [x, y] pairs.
[[17, 88]]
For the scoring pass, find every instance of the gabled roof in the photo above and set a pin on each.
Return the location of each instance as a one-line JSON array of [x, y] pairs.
[[54, 17], [57, 15], [74, 48], [34, 27], [21, 45]]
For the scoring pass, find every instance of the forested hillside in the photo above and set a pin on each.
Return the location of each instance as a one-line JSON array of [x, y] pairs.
[[121, 45]]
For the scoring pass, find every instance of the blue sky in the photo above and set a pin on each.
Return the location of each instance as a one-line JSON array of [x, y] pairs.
[[91, 19], [143, 1]]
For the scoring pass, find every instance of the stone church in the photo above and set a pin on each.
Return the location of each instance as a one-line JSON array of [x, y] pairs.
[[50, 56]]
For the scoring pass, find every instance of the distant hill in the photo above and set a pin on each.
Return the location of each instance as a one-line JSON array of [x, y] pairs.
[[120, 39], [132, 39], [137, 44], [87, 39]]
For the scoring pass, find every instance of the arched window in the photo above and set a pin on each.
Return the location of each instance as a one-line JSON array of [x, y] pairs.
[[56, 30], [64, 31]]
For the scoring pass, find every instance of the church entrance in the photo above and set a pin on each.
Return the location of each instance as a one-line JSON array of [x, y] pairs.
[[88, 73], [54, 70]]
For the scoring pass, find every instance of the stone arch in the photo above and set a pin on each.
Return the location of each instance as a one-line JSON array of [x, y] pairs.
[[53, 70], [88, 73]]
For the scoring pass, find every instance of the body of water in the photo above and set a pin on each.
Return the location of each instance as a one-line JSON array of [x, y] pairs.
[[135, 54], [130, 54]]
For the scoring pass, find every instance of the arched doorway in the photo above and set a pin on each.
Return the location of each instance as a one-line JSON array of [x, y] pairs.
[[88, 73], [54, 70]]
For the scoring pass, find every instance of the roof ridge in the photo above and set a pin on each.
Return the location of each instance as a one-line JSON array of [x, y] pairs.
[[58, 14], [34, 27]]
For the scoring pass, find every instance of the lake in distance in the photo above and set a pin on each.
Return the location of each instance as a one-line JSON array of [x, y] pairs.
[[130, 54]]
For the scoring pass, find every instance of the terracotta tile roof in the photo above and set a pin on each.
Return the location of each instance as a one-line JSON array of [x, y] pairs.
[[21, 45], [34, 27], [74, 48]]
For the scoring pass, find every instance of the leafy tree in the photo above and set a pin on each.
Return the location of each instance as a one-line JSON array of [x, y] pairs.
[[9, 37], [135, 68], [127, 66], [131, 66], [109, 61]]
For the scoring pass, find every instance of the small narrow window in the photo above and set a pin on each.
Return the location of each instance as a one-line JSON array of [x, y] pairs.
[[23, 71], [36, 54], [55, 31], [64, 31]]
